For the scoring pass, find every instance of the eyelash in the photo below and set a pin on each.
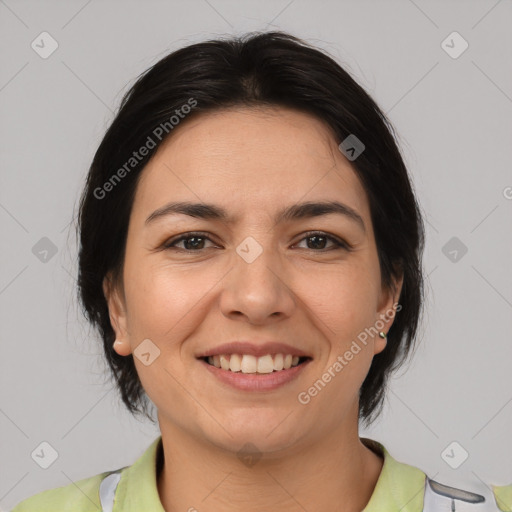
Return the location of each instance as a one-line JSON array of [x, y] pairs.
[[338, 244]]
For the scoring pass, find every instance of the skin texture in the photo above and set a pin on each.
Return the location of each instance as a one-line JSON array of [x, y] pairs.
[[253, 162]]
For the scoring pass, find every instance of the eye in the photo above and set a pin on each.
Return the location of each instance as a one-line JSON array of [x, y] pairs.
[[195, 244], [319, 239]]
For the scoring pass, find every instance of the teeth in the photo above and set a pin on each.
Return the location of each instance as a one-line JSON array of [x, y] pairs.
[[247, 363], [278, 362], [265, 364], [235, 363], [224, 362]]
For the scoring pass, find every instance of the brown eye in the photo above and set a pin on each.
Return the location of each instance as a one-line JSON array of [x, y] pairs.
[[319, 241], [193, 242]]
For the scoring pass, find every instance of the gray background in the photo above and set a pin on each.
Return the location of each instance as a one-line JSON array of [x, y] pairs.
[[454, 120]]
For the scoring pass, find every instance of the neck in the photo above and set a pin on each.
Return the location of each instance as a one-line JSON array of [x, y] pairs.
[[196, 477]]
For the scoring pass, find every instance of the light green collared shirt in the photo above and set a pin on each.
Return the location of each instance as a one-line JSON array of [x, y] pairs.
[[400, 487]]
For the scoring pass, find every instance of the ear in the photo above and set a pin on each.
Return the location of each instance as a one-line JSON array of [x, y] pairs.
[[117, 312], [387, 309]]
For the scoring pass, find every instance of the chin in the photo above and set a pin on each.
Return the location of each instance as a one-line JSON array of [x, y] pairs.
[[267, 431]]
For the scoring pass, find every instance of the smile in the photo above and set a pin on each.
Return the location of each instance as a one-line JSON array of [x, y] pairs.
[[247, 363], [255, 374]]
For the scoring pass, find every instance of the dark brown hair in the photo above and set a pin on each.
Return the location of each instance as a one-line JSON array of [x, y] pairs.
[[270, 68]]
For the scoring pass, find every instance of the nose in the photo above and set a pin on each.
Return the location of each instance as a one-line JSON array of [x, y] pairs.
[[257, 291]]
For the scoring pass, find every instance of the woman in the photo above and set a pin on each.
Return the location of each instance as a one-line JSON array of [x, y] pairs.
[[251, 255]]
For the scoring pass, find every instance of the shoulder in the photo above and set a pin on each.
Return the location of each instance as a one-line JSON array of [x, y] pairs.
[[503, 495], [83, 495], [408, 489], [135, 482], [476, 495]]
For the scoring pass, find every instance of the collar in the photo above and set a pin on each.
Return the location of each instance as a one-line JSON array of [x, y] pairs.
[[399, 486], [137, 488], [503, 496]]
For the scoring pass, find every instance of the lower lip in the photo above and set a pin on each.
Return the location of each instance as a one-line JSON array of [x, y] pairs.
[[256, 381]]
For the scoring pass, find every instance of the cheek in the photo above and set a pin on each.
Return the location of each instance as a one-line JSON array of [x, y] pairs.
[[163, 300], [346, 299], [165, 305]]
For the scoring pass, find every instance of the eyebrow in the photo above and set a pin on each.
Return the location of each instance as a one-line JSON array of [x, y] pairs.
[[290, 213]]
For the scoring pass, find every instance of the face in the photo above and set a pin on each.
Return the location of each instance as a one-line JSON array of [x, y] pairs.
[[308, 280]]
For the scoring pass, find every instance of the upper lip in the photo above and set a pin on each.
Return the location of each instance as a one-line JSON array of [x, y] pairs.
[[259, 350]]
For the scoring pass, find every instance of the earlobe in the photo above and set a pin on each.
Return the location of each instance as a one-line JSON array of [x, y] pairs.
[[122, 348], [380, 343]]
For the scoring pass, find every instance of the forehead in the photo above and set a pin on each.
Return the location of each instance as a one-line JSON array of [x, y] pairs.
[[250, 158]]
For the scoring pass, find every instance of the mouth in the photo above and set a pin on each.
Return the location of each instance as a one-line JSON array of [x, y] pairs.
[[250, 373], [250, 364], [255, 366]]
